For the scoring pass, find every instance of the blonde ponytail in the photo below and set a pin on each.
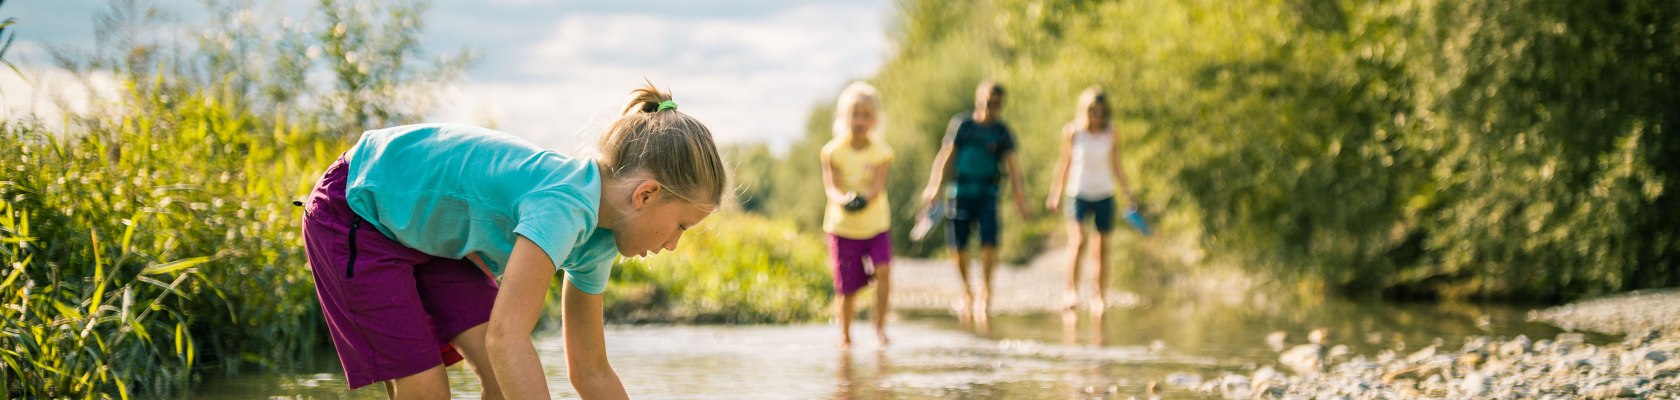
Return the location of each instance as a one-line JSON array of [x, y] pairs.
[[675, 149]]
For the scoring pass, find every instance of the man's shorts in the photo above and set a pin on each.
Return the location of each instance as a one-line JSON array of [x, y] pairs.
[[968, 212]]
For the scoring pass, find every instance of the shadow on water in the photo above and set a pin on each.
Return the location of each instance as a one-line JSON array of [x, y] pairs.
[[1032, 355]]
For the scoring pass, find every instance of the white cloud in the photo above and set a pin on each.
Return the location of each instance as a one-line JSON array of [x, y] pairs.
[[557, 72], [749, 79], [48, 92]]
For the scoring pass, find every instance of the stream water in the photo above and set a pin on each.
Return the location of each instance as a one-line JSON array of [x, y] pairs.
[[1022, 355]]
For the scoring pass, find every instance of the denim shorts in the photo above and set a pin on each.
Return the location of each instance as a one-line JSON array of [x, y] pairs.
[[1100, 210]]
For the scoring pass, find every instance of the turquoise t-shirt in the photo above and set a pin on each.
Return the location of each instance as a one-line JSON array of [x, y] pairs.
[[452, 190], [979, 150]]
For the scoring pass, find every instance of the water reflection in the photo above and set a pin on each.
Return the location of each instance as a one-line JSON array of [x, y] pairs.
[[867, 382], [1091, 335]]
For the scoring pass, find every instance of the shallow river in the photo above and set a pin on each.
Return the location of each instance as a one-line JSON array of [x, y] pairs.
[[1022, 355]]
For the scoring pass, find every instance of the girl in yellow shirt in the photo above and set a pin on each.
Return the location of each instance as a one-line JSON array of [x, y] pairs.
[[854, 166]]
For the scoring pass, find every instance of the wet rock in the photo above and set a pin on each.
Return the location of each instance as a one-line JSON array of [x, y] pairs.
[[1568, 342], [1476, 345], [1277, 340], [1304, 359], [1267, 374], [1338, 352], [1656, 356], [1641, 338], [1668, 368], [1474, 384], [1615, 389], [1358, 367], [1515, 347], [1234, 386], [1183, 379], [1318, 336], [1413, 374], [1471, 360], [1270, 390], [1421, 355]]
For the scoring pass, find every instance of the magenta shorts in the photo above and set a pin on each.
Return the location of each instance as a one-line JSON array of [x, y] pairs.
[[391, 310], [847, 255]]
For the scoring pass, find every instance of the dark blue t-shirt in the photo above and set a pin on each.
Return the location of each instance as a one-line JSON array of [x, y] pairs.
[[979, 150]]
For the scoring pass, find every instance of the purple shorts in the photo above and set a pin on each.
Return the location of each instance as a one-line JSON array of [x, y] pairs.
[[847, 256], [391, 310]]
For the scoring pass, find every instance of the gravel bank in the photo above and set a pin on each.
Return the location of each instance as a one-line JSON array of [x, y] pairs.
[[1646, 364], [1630, 313], [1565, 367]]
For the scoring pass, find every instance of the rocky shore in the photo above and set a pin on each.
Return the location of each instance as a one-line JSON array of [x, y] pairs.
[[1645, 365], [1630, 313]]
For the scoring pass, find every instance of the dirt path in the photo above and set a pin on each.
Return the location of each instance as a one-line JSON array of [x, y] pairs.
[[932, 284]]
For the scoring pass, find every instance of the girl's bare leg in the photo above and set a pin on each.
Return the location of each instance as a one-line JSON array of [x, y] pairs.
[[883, 306]]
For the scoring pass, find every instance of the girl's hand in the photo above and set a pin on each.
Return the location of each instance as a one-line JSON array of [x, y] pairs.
[[1053, 203]]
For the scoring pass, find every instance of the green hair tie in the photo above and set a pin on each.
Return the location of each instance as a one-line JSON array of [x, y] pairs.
[[667, 105]]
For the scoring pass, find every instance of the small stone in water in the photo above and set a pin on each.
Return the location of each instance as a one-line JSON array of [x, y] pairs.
[[1276, 340], [1184, 379]]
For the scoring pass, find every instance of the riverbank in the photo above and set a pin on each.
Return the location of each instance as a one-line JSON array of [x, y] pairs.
[[1628, 313], [1645, 364], [1564, 367]]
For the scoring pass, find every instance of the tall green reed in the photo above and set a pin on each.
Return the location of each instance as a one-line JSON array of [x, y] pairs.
[[134, 253]]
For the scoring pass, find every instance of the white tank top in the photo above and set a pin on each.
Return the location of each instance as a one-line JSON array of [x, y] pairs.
[[1090, 177]]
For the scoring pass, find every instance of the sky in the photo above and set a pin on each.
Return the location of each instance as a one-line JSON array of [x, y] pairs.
[[557, 71]]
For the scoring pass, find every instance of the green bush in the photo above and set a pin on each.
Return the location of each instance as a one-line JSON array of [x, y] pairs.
[[738, 268]]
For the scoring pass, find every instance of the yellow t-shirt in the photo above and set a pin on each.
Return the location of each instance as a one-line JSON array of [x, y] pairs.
[[856, 168]]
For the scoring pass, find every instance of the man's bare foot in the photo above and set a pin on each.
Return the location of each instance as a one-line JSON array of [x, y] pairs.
[[845, 342], [882, 335]]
